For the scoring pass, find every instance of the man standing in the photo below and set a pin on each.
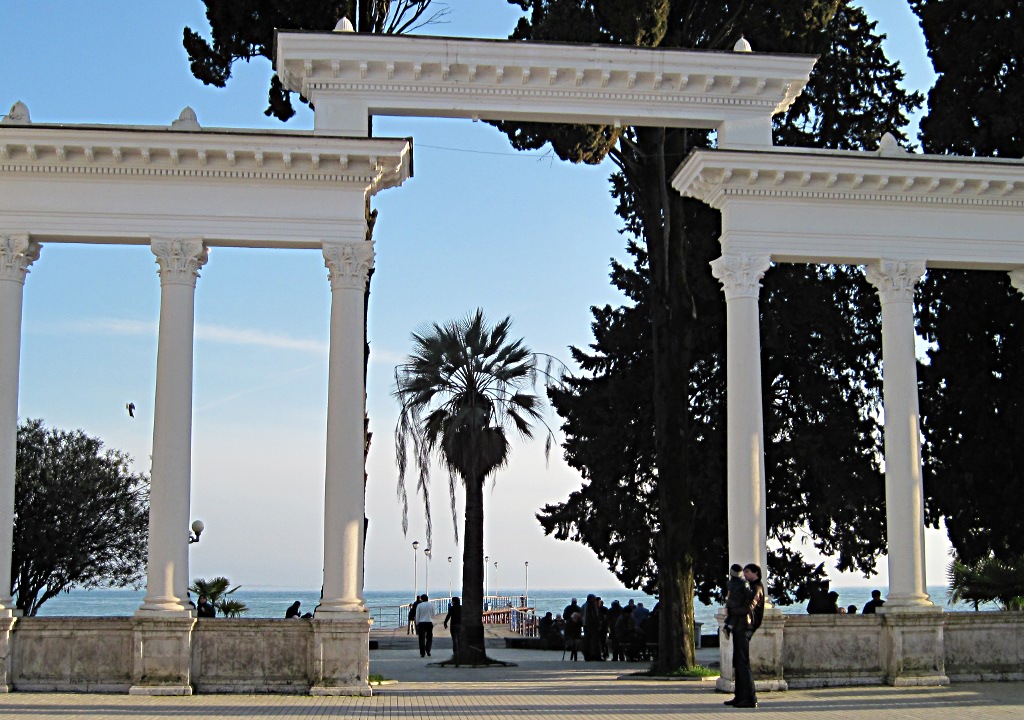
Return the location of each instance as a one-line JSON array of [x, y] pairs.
[[745, 621], [425, 624], [454, 617]]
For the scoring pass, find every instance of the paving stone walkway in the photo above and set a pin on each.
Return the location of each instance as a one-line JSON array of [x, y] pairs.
[[540, 686]]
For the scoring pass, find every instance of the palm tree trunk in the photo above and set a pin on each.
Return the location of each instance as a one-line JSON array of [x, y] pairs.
[[471, 651]]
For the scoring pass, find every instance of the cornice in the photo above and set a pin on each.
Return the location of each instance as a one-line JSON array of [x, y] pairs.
[[654, 85], [717, 176], [374, 163]]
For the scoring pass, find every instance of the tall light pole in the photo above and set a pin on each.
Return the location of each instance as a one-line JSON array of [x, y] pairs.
[[526, 593], [495, 578], [426, 571], [486, 558], [415, 568], [449, 577]]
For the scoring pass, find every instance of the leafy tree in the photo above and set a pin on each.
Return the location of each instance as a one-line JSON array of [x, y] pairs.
[[81, 516], [972, 388], [988, 580], [216, 591], [461, 391], [852, 98], [244, 29]]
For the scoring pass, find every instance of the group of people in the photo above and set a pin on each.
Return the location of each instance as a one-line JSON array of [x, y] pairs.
[[825, 602], [617, 632], [744, 603], [421, 616]]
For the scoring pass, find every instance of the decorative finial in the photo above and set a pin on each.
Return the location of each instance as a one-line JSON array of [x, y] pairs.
[[890, 146], [742, 45], [17, 116], [344, 25], [186, 120]]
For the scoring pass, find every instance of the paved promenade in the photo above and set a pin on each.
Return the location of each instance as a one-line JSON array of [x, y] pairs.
[[541, 686]]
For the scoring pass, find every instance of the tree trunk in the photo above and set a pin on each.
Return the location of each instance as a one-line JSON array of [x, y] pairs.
[[672, 317], [471, 651]]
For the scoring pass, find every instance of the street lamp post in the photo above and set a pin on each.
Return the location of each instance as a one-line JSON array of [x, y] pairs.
[[526, 592], [426, 571], [415, 568], [449, 577], [197, 530], [486, 558], [495, 580]]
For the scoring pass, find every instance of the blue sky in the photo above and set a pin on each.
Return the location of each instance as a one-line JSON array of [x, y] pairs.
[[518, 234]]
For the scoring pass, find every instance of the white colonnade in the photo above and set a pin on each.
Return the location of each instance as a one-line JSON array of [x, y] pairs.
[[895, 281], [129, 185], [17, 252], [349, 265]]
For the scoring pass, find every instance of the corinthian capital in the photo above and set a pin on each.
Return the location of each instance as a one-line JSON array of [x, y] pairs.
[[348, 264], [179, 260], [741, 274], [1017, 279], [17, 252], [895, 279]]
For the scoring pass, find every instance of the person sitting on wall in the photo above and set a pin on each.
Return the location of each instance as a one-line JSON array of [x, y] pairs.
[[874, 603], [293, 611], [205, 608]]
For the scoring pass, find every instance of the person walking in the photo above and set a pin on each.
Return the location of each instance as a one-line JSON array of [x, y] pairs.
[[454, 617], [425, 624], [745, 622]]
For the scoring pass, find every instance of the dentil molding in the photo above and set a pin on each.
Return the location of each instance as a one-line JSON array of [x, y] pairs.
[[84, 150], [17, 252], [348, 264], [505, 79], [717, 176], [741, 275], [895, 280], [179, 259]]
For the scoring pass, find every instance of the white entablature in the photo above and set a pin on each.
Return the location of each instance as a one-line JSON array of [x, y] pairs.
[[349, 76], [234, 188], [801, 205]]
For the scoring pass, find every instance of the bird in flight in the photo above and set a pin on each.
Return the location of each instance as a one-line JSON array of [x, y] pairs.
[[130, 407]]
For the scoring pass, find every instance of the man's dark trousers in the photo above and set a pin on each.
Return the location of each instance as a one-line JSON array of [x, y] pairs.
[[744, 676], [425, 632]]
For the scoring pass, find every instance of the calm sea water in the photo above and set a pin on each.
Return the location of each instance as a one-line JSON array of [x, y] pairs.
[[272, 602]]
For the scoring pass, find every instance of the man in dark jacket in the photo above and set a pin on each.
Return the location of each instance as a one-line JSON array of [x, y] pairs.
[[746, 620]]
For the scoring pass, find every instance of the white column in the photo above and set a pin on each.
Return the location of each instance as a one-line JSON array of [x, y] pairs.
[[170, 488], [349, 266], [748, 528], [17, 252], [904, 490]]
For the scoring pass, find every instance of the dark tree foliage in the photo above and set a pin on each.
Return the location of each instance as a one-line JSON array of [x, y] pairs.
[[820, 354], [972, 388], [80, 516], [244, 29]]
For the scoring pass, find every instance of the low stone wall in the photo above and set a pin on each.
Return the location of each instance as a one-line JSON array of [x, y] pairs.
[[71, 654], [833, 650], [250, 656], [982, 646]]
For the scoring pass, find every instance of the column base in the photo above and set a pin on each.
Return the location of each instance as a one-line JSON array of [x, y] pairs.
[[160, 690], [341, 655], [164, 607], [7, 623], [342, 609], [162, 655], [913, 647]]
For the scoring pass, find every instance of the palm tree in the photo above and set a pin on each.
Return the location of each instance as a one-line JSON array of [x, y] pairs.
[[987, 580], [216, 591], [460, 391]]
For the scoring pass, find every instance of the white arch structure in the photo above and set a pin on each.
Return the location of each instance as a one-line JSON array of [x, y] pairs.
[[183, 190]]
